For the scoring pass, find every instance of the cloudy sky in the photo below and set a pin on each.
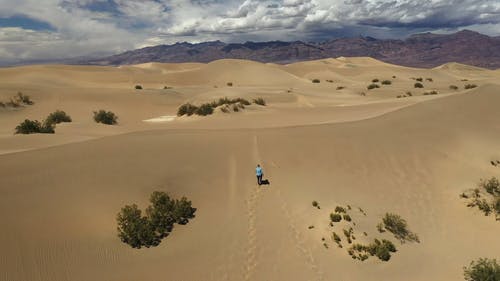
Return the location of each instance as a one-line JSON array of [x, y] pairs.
[[52, 29]]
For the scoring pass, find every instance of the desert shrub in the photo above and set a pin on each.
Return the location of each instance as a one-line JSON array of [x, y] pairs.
[[105, 117], [347, 217], [433, 92], [138, 230], [204, 109], [429, 79], [408, 93], [138, 87], [334, 217], [34, 127], [329, 80], [492, 186], [22, 98], [340, 88], [135, 229], [453, 87], [420, 79], [336, 238], [372, 86], [347, 234], [259, 101], [418, 85], [225, 109], [236, 108], [483, 269], [229, 84], [488, 202], [399, 96], [315, 204], [167, 87], [339, 209], [386, 82], [399, 228], [375, 80], [470, 86], [57, 117], [186, 109], [394, 76], [316, 81], [310, 227], [380, 227]]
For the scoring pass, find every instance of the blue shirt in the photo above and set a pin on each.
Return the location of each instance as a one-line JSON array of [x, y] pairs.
[[258, 171]]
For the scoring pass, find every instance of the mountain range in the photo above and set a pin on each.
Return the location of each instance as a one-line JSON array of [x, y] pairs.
[[420, 50]]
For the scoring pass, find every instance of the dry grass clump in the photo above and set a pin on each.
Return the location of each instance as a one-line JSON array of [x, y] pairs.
[[396, 225], [17, 101], [380, 249], [486, 197]]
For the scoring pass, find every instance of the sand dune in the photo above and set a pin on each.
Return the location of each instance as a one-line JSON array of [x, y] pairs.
[[59, 194]]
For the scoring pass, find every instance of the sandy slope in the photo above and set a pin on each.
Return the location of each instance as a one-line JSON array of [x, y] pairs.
[[412, 156]]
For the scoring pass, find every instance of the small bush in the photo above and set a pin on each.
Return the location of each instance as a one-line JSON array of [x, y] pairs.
[[167, 87], [336, 238], [394, 76], [315, 204], [24, 99], [453, 87], [408, 93], [386, 82], [399, 228], [372, 86], [339, 209], [105, 117], [236, 108], [347, 217], [430, 93], [34, 127], [375, 80], [492, 186], [482, 270], [429, 79], [329, 80], [470, 86], [229, 84], [186, 109], [418, 85], [334, 217], [419, 79], [259, 101], [316, 81], [340, 88], [138, 87], [204, 110], [57, 117], [135, 229]]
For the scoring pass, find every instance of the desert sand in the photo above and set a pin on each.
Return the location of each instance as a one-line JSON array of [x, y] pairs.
[[60, 193]]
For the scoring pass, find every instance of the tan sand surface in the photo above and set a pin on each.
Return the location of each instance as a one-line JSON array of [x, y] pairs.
[[59, 194]]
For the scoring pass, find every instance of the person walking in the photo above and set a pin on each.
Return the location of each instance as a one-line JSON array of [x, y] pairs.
[[259, 173]]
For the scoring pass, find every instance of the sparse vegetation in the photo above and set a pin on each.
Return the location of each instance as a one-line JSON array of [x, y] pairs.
[[105, 117], [386, 82], [138, 87], [57, 117], [399, 228], [24, 99], [408, 93], [380, 249], [186, 109], [229, 84], [418, 85], [17, 101], [375, 80], [139, 231], [168, 87], [204, 110], [372, 86], [453, 87], [483, 269], [429, 79], [329, 80], [470, 86], [208, 108], [420, 79], [339, 209], [430, 93], [347, 217], [34, 127], [340, 88], [316, 204], [486, 197], [316, 81]]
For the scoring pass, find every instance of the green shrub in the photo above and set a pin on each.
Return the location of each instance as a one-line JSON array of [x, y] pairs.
[[105, 117], [205, 109], [386, 82], [34, 127], [453, 87], [186, 109], [372, 86], [138, 87], [259, 101], [418, 85], [334, 217], [347, 217], [316, 81], [160, 213], [483, 269], [57, 117], [135, 229], [470, 86], [375, 80], [399, 228], [183, 211]]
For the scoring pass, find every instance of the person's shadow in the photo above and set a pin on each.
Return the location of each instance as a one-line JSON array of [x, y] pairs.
[[265, 182]]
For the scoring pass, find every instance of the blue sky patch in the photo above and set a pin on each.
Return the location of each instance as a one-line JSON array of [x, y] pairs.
[[25, 23]]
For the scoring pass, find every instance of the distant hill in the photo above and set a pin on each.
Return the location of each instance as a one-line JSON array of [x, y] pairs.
[[419, 50]]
